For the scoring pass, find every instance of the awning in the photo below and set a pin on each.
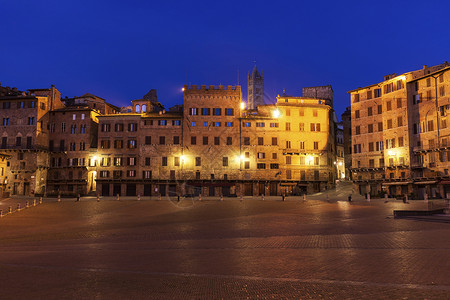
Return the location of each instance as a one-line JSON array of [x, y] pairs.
[[445, 182], [397, 183], [425, 182]]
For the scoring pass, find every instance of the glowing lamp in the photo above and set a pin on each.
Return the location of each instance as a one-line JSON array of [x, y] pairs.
[[242, 105], [276, 113]]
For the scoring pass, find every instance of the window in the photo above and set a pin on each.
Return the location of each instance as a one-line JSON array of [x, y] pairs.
[[176, 161], [380, 126], [274, 141], [399, 103], [193, 140], [390, 143], [118, 144], [274, 166], [389, 124], [260, 141], [193, 111], [288, 144], [357, 148], [302, 145], [275, 125], [148, 140], [104, 127], [74, 117], [118, 161], [131, 173], [31, 121], [216, 140], [164, 161], [261, 155], [147, 161], [260, 124], [198, 161], [377, 93], [216, 124], [288, 126], [228, 124], [83, 128], [162, 122], [288, 160], [399, 121], [176, 123], [194, 124], [388, 105], [357, 130], [371, 147], [356, 114], [82, 146], [205, 140], [229, 141], [217, 111], [132, 126], [205, 124], [316, 145], [369, 94], [246, 124], [369, 111], [400, 141], [105, 144], [206, 111], [5, 121], [131, 161], [417, 99], [132, 144], [229, 112], [316, 160], [260, 165], [225, 161], [315, 126], [18, 141], [428, 95], [442, 91], [430, 125], [380, 109], [370, 128], [104, 174], [428, 82], [356, 98], [301, 112], [274, 156], [246, 141], [176, 140]]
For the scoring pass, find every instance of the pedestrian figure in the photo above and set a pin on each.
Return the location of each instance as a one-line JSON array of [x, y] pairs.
[[78, 197], [349, 198], [282, 197], [178, 198]]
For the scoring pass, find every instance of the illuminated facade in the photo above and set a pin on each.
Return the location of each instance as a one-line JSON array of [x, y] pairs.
[[215, 147], [399, 134]]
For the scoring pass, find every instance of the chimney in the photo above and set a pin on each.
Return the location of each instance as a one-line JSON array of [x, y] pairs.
[[424, 67]]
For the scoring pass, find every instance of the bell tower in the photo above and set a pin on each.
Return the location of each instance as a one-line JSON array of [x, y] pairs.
[[255, 86]]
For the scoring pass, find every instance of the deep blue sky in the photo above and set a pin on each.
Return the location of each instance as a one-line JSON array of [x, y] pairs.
[[119, 50]]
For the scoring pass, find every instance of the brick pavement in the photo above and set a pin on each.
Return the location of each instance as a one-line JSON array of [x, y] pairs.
[[228, 250]]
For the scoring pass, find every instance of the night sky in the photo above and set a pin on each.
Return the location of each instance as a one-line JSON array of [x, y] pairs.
[[119, 50]]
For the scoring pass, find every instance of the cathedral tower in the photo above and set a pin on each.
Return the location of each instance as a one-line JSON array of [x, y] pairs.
[[255, 86]]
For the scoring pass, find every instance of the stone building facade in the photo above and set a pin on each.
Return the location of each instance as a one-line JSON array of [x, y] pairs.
[[347, 133], [24, 134], [399, 134], [73, 136], [213, 147]]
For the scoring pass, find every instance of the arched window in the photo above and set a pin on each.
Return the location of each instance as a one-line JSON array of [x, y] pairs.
[[137, 108], [144, 108]]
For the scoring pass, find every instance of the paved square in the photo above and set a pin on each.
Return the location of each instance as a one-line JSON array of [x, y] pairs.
[[222, 250]]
